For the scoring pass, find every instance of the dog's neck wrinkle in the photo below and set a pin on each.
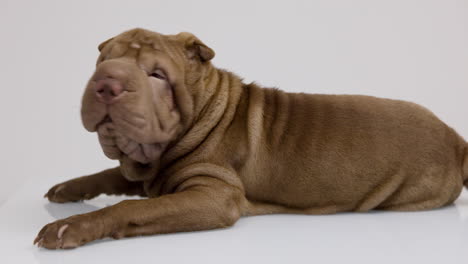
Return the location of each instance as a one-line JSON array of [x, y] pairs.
[[211, 84], [222, 87]]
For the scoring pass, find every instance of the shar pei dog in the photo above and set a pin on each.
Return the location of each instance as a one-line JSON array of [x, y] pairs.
[[205, 148]]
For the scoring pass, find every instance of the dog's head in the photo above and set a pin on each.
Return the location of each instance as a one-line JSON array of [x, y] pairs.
[[141, 96]]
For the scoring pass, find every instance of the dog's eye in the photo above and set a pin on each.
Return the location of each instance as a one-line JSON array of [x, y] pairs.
[[158, 74]]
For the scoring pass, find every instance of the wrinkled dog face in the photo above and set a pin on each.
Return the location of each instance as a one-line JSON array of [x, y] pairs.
[[136, 97]]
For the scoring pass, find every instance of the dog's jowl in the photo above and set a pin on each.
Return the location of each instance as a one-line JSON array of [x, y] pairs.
[[205, 148]]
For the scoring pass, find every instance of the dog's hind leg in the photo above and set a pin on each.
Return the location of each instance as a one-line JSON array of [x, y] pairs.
[[465, 166], [425, 195]]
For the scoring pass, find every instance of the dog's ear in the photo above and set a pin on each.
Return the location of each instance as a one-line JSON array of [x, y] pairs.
[[195, 47], [102, 45]]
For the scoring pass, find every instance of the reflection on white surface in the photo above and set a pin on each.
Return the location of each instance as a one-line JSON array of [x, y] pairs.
[[59, 211], [438, 236]]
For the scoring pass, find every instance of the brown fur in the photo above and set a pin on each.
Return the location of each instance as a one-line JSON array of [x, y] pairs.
[[207, 148]]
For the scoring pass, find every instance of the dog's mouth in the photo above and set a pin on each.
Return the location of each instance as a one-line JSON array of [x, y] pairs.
[[116, 144], [106, 119]]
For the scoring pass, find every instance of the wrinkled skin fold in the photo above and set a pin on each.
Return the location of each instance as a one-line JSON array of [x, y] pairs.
[[206, 148]]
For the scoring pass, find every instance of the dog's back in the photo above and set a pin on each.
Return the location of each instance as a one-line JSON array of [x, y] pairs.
[[352, 152]]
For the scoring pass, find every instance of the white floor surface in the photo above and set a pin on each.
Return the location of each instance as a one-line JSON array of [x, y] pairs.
[[438, 236]]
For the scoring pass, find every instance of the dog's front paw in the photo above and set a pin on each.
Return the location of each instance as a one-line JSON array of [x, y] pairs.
[[68, 233], [70, 191]]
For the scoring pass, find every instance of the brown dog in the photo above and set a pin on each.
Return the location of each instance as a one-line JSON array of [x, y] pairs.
[[206, 149]]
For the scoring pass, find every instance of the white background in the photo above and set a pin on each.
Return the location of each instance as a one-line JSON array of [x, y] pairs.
[[415, 50], [407, 49]]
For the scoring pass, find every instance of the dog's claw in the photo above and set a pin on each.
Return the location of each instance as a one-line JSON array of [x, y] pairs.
[[61, 230], [38, 242]]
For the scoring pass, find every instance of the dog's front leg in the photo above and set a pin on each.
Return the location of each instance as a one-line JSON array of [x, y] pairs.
[[202, 203], [109, 181]]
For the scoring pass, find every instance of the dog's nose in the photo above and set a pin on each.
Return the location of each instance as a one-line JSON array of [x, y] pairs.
[[107, 89]]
